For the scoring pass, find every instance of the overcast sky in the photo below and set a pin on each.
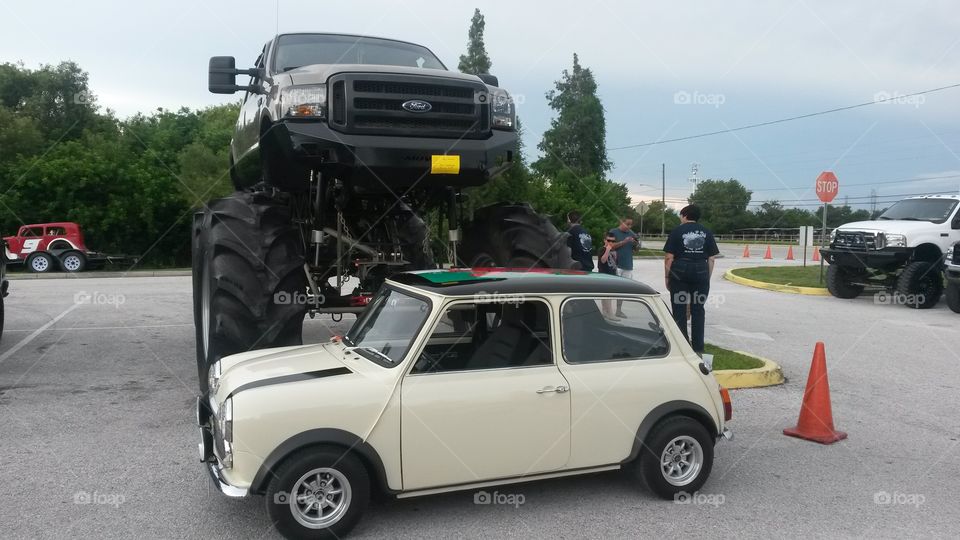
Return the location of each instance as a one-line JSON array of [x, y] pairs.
[[665, 70]]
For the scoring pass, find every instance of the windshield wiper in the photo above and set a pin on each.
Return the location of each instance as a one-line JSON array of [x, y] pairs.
[[884, 217], [289, 68], [913, 219], [374, 351]]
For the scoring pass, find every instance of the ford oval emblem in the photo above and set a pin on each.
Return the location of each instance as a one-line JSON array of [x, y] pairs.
[[416, 106]]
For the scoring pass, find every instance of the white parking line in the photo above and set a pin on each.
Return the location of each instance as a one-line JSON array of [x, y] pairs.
[[36, 333]]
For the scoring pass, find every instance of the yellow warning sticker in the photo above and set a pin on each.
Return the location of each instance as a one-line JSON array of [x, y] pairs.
[[445, 165]]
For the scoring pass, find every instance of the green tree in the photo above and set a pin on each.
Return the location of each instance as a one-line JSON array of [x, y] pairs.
[[723, 204], [838, 215], [658, 213], [475, 61], [576, 139]]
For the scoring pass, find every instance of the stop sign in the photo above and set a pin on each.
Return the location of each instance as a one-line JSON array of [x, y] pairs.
[[827, 186]]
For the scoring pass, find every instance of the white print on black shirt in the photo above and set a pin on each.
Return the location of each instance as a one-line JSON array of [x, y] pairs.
[[694, 241]]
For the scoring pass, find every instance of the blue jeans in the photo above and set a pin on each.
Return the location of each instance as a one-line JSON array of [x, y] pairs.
[[690, 286]]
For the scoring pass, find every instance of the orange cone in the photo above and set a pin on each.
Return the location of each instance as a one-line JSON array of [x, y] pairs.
[[746, 251], [816, 415], [789, 253], [816, 255], [768, 254]]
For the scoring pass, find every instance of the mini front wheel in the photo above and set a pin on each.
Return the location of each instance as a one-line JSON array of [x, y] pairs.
[[318, 493]]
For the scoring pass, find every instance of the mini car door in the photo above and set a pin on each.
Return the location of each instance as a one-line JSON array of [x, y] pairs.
[[484, 399]]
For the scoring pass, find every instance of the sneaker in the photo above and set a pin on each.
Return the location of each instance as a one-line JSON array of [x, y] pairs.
[[621, 314]]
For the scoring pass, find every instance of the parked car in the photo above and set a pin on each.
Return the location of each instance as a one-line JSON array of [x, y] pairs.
[[45, 247], [901, 251], [458, 380]]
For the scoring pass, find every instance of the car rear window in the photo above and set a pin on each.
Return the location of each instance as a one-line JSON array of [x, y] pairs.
[[592, 332]]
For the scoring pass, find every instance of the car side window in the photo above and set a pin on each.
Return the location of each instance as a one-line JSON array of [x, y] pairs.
[[591, 332], [474, 336]]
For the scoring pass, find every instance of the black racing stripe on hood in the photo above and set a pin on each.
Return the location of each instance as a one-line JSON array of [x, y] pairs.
[[296, 377]]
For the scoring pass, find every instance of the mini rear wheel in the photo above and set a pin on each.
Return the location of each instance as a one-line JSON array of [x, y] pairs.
[[40, 263], [676, 458], [318, 493]]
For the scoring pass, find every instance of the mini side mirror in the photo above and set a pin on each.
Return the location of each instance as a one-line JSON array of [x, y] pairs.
[[489, 79]]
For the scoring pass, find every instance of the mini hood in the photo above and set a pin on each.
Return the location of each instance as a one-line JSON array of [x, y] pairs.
[[278, 366]]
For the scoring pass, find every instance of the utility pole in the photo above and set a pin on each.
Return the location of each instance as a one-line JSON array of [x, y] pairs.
[[663, 199]]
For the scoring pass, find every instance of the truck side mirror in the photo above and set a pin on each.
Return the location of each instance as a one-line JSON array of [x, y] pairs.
[[222, 75], [489, 79], [955, 224]]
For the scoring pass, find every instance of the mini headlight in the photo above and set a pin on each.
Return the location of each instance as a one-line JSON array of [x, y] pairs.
[[213, 377], [306, 101], [896, 240], [225, 433]]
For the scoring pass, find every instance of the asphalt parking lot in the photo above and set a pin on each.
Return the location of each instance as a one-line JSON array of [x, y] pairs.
[[97, 439]]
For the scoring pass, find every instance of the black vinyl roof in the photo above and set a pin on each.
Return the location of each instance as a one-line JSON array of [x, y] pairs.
[[469, 281]]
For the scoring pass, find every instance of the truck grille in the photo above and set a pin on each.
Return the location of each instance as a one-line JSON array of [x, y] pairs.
[[855, 241], [372, 104], [955, 258]]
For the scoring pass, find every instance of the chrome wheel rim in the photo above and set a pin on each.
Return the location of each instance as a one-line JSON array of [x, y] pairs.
[[40, 264], [320, 498], [681, 460], [71, 263]]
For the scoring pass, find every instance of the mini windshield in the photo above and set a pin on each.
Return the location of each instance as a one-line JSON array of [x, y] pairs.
[[935, 210], [297, 50], [384, 331]]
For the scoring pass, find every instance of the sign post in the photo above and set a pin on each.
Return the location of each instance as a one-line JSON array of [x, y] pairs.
[[641, 209], [827, 188]]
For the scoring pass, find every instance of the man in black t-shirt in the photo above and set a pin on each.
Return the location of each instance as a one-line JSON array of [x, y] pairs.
[[580, 242], [688, 264]]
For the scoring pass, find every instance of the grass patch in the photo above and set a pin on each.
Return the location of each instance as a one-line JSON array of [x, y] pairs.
[[727, 359], [799, 276]]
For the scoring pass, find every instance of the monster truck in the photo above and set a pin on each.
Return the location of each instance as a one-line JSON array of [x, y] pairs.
[[44, 247], [902, 251], [343, 145]]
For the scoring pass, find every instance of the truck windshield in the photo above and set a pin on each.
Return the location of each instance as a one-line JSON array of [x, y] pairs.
[[384, 331], [935, 210], [297, 50]]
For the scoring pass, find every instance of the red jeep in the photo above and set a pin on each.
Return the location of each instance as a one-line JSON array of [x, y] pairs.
[[44, 247]]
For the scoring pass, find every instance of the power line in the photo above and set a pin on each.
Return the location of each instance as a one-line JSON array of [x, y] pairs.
[[782, 120]]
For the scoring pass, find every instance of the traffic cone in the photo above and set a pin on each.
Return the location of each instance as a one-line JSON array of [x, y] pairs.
[[789, 253], [768, 254], [816, 255], [746, 251], [816, 417]]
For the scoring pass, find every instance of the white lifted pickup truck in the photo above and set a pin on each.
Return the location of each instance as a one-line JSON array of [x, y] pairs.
[[902, 251]]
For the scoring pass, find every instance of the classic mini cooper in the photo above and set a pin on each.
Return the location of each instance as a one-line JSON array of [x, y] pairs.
[[461, 379]]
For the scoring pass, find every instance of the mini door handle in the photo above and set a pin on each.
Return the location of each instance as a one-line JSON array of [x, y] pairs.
[[558, 390]]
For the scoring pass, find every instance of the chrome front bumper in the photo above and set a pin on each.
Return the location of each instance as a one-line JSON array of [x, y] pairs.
[[207, 456]]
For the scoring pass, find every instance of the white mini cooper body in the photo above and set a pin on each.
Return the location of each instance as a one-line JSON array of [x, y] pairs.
[[460, 379]]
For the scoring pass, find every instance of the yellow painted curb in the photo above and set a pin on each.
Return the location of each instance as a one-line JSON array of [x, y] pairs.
[[795, 289], [770, 374]]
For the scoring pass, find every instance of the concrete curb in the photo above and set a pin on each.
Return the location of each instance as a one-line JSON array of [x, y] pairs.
[[88, 275], [794, 289], [770, 374]]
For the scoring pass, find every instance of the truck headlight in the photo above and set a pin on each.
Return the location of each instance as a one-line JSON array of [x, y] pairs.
[[504, 112], [895, 240], [213, 378], [305, 101]]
